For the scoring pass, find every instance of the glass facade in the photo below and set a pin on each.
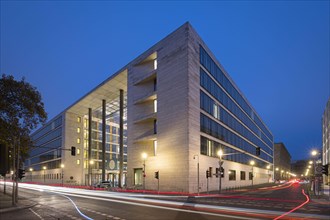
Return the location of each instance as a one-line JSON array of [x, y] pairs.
[[228, 117], [112, 138], [47, 151]]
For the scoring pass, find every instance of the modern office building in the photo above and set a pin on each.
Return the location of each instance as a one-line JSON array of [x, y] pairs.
[[326, 140], [169, 111], [282, 162]]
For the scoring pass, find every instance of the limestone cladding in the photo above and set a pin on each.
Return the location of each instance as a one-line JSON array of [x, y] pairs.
[[73, 172]]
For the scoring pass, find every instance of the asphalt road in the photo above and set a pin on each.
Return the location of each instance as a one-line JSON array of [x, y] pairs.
[[64, 203], [50, 205]]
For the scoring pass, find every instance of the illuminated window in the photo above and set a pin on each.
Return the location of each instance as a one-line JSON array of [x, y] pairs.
[[155, 64], [155, 148], [78, 162], [209, 148], [85, 143], [78, 130], [85, 153], [85, 164], [216, 112], [78, 151], [138, 176], [78, 119], [155, 105], [85, 134], [78, 140], [85, 123]]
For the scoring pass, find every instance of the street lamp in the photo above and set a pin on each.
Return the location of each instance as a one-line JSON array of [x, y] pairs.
[[62, 166], [31, 169], [252, 164], [44, 168], [314, 153], [220, 153], [144, 157], [91, 162], [197, 172]]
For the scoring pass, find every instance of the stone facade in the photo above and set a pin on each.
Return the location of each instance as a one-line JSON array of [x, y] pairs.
[[163, 121]]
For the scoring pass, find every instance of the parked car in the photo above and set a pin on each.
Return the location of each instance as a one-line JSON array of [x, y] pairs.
[[103, 184]]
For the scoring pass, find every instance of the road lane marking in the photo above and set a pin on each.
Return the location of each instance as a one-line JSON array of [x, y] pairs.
[[82, 214], [118, 197], [294, 209], [36, 214]]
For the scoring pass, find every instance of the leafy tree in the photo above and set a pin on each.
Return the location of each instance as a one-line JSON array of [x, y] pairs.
[[21, 111]]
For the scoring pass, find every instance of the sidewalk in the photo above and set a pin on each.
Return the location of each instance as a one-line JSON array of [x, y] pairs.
[[6, 203]]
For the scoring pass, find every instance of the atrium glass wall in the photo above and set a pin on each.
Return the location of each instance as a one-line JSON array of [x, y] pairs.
[[112, 154], [224, 105]]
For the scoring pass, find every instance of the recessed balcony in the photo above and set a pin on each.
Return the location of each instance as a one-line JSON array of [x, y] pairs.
[[148, 97], [146, 78], [146, 118], [147, 136]]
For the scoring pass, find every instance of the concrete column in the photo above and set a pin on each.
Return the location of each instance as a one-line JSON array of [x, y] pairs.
[[121, 137], [89, 146], [103, 138]]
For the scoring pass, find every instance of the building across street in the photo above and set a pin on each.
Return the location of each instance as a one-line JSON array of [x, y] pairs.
[[170, 120]]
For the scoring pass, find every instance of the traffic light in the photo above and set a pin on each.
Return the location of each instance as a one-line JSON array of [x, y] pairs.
[[73, 151], [21, 173], [258, 151], [208, 174], [157, 175], [222, 172], [325, 169]]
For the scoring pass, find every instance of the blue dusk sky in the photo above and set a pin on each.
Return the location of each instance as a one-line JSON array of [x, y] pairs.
[[277, 52]]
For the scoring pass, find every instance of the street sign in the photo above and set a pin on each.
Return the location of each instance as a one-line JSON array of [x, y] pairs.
[[318, 169]]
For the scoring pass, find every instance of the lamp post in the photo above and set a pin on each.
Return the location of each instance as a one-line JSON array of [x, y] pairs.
[[197, 172], [252, 164], [62, 166], [220, 153], [144, 157], [44, 168], [31, 170], [277, 174], [268, 167], [314, 153], [91, 163]]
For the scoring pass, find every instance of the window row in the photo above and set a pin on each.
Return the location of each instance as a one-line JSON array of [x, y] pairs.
[[51, 176], [47, 165], [233, 123], [97, 145], [109, 129], [55, 143], [48, 137], [54, 124], [217, 73], [112, 165], [210, 148], [209, 85], [231, 174], [214, 129]]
